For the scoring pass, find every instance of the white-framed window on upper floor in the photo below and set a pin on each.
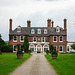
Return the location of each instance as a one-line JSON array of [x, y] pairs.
[[15, 38], [32, 31], [54, 38], [60, 48], [55, 47], [45, 31], [21, 38], [60, 38], [43, 39], [39, 31], [34, 39]]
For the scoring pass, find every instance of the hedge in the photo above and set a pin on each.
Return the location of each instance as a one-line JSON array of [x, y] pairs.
[[6, 48]]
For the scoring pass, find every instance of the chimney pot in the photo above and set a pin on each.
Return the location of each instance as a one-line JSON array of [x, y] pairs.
[[49, 23], [65, 25], [52, 23], [28, 23], [10, 25]]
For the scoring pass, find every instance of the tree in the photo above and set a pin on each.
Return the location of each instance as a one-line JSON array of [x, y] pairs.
[[73, 46], [51, 47], [1, 42], [26, 44]]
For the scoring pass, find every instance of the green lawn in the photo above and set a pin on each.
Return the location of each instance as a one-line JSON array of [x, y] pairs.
[[64, 64], [8, 62]]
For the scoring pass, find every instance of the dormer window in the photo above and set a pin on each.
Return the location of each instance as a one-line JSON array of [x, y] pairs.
[[32, 31], [57, 29], [39, 31], [45, 31], [18, 29]]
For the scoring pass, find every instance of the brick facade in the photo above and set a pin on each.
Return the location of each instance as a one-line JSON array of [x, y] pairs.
[[43, 46]]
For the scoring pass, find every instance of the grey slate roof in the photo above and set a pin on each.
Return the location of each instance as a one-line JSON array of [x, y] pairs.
[[27, 31]]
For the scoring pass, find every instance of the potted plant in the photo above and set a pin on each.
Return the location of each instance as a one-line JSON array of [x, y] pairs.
[[54, 54], [19, 54], [47, 52], [29, 51]]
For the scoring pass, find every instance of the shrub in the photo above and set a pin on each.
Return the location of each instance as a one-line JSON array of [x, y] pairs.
[[54, 53], [6, 48], [47, 51], [19, 52], [29, 51]]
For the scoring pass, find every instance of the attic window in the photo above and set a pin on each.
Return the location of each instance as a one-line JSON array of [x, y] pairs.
[[45, 31], [57, 29], [39, 31], [32, 31], [18, 29]]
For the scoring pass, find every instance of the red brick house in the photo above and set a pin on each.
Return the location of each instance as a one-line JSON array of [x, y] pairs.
[[39, 37]]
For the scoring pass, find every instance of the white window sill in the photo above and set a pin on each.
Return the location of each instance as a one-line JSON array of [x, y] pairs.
[[60, 41], [21, 41], [14, 41], [54, 41]]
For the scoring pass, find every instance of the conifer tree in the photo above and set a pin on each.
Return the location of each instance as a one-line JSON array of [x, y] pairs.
[[26, 44]]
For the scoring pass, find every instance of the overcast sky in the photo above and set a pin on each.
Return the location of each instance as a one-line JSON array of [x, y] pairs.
[[38, 11]]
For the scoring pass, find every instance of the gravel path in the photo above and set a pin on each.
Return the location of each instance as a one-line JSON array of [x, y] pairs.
[[36, 65]]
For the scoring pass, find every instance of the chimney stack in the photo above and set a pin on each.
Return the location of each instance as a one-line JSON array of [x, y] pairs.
[[52, 23], [10, 25], [49, 23], [28, 23], [65, 26]]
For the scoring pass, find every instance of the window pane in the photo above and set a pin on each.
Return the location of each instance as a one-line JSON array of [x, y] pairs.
[[54, 38], [14, 47], [22, 48], [67, 48], [32, 49], [60, 38], [34, 39], [15, 38], [60, 48]]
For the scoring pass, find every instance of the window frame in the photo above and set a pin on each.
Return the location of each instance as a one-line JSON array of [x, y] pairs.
[[18, 29], [59, 38], [45, 31], [53, 38], [39, 30], [33, 31], [21, 40], [59, 48], [14, 40], [33, 39], [42, 39]]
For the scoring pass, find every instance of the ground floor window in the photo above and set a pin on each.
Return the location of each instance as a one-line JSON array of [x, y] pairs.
[[15, 47], [32, 49], [60, 48], [67, 48]]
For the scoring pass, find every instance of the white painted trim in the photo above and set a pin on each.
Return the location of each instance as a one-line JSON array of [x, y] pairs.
[[39, 42], [14, 40], [38, 31], [59, 38], [34, 41], [59, 48], [53, 39], [42, 38], [21, 40]]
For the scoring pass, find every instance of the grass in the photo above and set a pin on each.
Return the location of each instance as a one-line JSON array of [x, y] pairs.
[[64, 64], [8, 62]]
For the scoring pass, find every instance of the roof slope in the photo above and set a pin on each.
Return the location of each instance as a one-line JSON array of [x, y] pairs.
[[27, 31]]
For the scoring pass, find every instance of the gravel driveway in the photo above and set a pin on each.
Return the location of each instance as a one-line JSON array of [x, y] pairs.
[[35, 65]]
